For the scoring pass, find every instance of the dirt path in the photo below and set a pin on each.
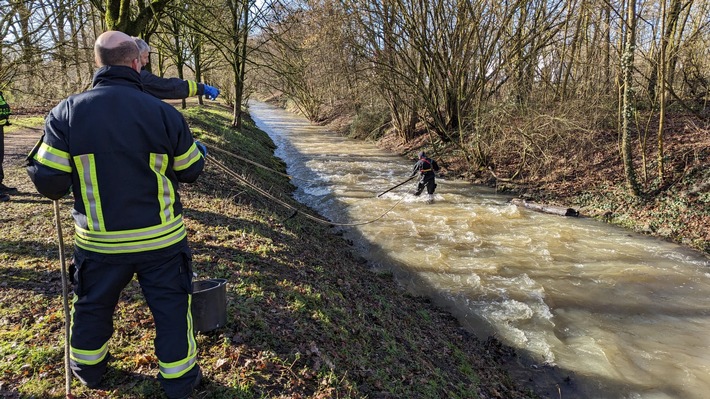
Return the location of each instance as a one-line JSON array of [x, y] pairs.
[[18, 143]]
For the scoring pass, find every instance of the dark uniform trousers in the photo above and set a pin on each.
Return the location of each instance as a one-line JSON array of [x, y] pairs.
[[167, 286], [427, 180]]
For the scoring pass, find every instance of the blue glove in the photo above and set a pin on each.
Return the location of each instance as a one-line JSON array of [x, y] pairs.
[[201, 147], [211, 92]]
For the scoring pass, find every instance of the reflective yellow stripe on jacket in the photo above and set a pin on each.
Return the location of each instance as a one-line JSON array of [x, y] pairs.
[[184, 161], [96, 238], [131, 241], [53, 158], [192, 88], [178, 368], [86, 168], [166, 192]]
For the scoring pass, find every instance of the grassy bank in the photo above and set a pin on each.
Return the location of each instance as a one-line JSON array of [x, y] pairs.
[[306, 317]]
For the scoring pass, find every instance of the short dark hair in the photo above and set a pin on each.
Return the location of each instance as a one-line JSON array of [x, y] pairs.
[[122, 54]]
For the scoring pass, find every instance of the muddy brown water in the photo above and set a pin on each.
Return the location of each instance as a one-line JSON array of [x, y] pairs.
[[621, 315]]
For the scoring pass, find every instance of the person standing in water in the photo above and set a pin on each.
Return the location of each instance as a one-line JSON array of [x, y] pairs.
[[427, 168]]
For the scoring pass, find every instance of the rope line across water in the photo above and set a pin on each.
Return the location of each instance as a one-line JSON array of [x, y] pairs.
[[244, 181]]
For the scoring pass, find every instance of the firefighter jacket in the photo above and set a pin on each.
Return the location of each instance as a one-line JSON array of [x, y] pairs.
[[122, 153], [170, 88]]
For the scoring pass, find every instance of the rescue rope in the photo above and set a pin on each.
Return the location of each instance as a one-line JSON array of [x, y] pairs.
[[393, 187], [266, 194], [221, 151], [65, 300]]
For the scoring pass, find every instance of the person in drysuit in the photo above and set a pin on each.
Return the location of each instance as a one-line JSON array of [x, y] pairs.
[[426, 168], [122, 153]]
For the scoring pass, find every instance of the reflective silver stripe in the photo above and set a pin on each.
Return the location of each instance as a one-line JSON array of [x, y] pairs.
[[129, 235], [178, 371], [53, 157], [89, 357], [185, 160], [131, 247], [89, 189], [165, 188], [179, 368]]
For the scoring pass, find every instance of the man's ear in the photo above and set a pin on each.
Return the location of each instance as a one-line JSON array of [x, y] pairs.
[[136, 65]]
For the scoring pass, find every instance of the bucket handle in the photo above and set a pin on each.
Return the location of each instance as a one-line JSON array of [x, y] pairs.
[[219, 281]]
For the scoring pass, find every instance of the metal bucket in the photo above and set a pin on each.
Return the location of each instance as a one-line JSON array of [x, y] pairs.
[[209, 304]]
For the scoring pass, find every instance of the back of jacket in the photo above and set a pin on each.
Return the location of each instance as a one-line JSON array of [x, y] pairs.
[[426, 167], [122, 152]]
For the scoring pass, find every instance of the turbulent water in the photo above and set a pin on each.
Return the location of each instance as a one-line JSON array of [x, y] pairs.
[[625, 316]]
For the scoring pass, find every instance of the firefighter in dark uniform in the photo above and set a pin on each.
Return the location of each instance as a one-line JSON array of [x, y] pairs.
[[170, 88], [426, 167], [122, 153]]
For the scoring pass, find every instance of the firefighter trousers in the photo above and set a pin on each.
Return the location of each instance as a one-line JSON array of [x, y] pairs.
[[167, 287], [428, 180]]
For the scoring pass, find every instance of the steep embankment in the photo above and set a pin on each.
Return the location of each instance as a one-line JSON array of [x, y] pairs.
[[306, 317]]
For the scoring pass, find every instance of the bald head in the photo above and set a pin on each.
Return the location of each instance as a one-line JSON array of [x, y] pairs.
[[116, 48]]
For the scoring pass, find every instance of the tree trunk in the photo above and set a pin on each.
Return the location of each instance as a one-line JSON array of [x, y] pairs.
[[242, 61], [198, 67], [179, 59], [628, 108], [552, 209], [662, 65]]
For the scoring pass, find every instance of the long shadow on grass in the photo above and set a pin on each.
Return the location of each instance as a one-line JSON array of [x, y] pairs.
[[25, 248], [213, 219], [31, 273], [129, 384], [42, 282], [29, 198]]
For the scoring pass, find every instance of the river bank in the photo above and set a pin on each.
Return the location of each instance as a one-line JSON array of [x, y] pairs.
[[307, 317]]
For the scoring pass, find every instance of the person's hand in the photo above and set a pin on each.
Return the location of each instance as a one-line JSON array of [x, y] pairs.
[[211, 92], [201, 147]]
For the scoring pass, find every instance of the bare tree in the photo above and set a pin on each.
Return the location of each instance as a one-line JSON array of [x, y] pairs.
[[130, 16], [228, 32], [628, 108]]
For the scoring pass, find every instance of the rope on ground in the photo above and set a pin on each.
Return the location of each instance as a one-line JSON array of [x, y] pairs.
[[225, 152], [268, 195]]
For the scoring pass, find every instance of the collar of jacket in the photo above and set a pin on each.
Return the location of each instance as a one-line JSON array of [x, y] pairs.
[[117, 75]]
